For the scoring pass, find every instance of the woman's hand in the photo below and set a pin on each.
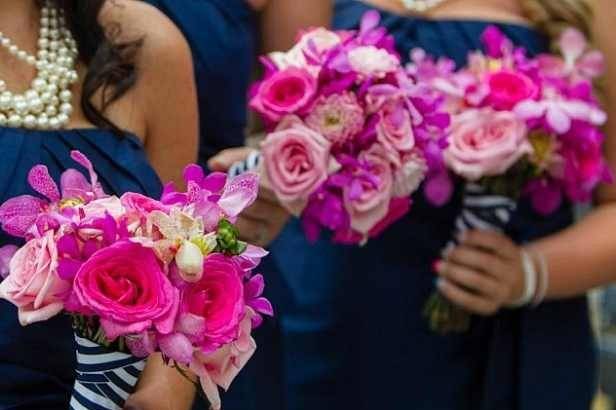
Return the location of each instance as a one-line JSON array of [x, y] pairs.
[[483, 273], [161, 387], [262, 222]]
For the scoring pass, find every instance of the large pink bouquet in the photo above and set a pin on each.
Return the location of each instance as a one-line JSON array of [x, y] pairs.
[[351, 136], [520, 127], [138, 275]]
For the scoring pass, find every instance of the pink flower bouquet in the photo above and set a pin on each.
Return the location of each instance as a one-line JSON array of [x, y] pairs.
[[138, 276], [520, 127], [351, 137]]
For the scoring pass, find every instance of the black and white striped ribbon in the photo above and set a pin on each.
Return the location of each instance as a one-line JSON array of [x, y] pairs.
[[483, 211], [251, 163], [105, 378]]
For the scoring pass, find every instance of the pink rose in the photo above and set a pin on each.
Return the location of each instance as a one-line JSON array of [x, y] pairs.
[[33, 284], [395, 130], [213, 307], [314, 43], [371, 204], [125, 286], [486, 143], [285, 92], [507, 88], [296, 161]]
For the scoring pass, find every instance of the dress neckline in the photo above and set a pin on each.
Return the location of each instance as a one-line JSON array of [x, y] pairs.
[[78, 130], [450, 20]]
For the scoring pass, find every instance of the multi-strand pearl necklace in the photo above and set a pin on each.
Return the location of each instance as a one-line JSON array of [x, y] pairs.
[[47, 104], [420, 6]]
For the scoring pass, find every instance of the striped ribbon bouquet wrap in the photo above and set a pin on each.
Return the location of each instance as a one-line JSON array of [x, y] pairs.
[[521, 127], [105, 378], [138, 276]]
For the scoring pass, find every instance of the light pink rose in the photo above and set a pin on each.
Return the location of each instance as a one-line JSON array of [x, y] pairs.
[[314, 43], [296, 161], [372, 205], [395, 130], [285, 92], [371, 61], [33, 284], [125, 286], [486, 143], [508, 88], [213, 307]]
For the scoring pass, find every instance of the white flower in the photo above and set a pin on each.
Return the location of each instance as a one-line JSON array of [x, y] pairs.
[[409, 177], [190, 261], [373, 62]]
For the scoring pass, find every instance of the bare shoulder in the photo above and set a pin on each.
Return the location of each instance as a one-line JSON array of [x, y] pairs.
[[136, 20]]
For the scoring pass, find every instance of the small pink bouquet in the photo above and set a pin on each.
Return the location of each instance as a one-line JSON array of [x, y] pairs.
[[138, 276], [351, 137], [520, 127]]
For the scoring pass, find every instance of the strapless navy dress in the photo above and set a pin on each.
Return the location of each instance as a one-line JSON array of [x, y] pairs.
[[221, 34], [37, 362], [349, 332]]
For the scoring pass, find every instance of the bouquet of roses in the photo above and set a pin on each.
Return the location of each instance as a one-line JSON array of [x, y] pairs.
[[520, 126], [138, 276], [351, 136]]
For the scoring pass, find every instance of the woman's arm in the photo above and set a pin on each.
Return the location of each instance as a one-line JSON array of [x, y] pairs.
[[281, 20], [162, 109], [579, 258]]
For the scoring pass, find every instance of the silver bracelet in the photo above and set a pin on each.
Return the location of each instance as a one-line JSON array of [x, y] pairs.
[[530, 281]]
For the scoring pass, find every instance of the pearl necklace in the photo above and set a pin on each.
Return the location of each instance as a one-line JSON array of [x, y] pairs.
[[47, 104], [420, 6]]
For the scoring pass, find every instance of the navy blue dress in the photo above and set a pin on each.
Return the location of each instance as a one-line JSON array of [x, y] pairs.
[[221, 34], [37, 362], [349, 332]]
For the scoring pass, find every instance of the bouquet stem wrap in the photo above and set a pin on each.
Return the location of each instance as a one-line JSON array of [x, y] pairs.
[[105, 378], [482, 210]]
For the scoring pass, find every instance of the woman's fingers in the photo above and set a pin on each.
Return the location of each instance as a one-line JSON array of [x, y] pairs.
[[478, 283], [494, 242], [224, 159], [477, 259], [467, 300]]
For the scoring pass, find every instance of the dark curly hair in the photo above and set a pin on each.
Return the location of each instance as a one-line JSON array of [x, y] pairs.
[[111, 64]]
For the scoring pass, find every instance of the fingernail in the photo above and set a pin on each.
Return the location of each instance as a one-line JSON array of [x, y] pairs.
[[445, 252], [440, 282], [436, 265]]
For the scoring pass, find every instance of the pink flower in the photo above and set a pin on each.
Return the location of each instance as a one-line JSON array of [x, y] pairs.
[[559, 113], [22, 215], [33, 284], [367, 199], [578, 62], [222, 366], [213, 307], [395, 130], [507, 88], [296, 162], [308, 51], [337, 117], [285, 92], [371, 61], [486, 143], [125, 286]]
